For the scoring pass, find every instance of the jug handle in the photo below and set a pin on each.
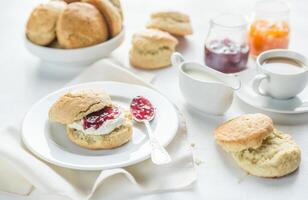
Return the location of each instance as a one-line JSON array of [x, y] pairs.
[[177, 59]]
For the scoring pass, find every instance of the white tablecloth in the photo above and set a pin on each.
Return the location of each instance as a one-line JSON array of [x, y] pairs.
[[141, 178], [23, 82]]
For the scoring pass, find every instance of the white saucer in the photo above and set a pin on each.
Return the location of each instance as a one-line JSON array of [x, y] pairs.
[[295, 105], [49, 141]]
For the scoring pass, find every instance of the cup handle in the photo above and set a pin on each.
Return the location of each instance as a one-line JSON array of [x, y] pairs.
[[256, 83], [177, 59]]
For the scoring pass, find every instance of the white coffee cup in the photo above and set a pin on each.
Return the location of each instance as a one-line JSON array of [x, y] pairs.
[[276, 84]]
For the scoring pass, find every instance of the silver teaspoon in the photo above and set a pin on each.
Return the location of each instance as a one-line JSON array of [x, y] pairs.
[[143, 111]]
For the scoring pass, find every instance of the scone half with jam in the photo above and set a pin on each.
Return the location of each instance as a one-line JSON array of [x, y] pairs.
[[92, 120]]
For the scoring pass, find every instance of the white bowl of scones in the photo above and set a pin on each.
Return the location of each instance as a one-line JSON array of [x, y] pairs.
[[74, 33]]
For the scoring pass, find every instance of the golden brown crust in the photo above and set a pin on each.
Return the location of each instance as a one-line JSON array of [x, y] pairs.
[[75, 105], [150, 38], [278, 156], [112, 12], [41, 25], [118, 137], [176, 23], [243, 132], [152, 49], [81, 25], [71, 1]]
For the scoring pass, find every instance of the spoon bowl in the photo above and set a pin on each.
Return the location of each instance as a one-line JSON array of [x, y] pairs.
[[143, 111]]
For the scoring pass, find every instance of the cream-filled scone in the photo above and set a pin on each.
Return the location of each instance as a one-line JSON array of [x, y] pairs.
[[173, 22], [41, 25], [92, 120], [152, 49]]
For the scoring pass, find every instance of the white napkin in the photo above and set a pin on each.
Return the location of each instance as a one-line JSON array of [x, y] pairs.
[[20, 170]]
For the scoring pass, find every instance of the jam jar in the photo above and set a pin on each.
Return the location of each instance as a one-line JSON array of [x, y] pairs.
[[226, 45], [270, 28]]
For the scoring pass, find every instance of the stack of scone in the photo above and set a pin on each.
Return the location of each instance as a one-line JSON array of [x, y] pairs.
[[258, 147], [92, 121], [74, 24], [153, 47], [175, 23]]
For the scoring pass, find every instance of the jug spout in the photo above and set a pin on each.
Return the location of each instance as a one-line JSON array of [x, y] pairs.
[[231, 81], [177, 59]]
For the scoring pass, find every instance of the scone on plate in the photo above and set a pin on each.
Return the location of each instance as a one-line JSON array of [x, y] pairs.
[[112, 12], [176, 23], [81, 25], [278, 156], [152, 49], [41, 25], [243, 132], [92, 120]]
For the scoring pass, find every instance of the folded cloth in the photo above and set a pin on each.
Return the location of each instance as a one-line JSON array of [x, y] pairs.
[[25, 172]]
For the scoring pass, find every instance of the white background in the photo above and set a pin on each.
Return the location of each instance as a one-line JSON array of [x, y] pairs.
[[23, 80]]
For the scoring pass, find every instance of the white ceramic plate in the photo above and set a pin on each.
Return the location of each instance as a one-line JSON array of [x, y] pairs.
[[294, 105], [49, 141]]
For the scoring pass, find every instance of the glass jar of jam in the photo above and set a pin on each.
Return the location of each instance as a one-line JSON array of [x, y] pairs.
[[226, 45], [270, 28]]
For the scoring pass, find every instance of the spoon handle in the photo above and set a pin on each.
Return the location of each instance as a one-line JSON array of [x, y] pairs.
[[159, 155]]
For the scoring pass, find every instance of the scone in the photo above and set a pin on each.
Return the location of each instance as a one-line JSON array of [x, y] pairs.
[[92, 120], [55, 44], [175, 23], [278, 156], [112, 12], [152, 49], [41, 25], [119, 136], [71, 1], [243, 132], [81, 25]]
